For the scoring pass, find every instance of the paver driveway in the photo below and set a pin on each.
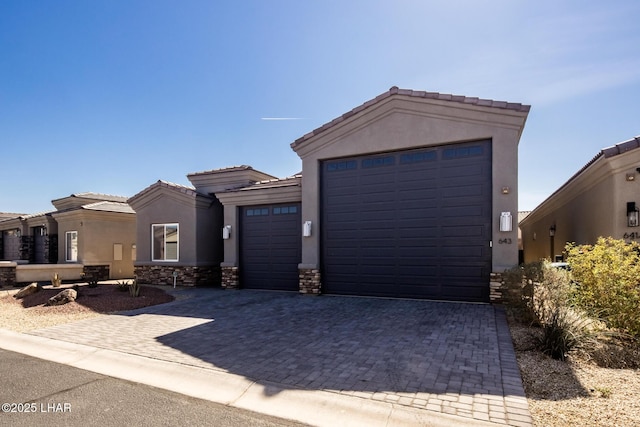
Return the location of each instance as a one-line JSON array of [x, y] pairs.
[[449, 357]]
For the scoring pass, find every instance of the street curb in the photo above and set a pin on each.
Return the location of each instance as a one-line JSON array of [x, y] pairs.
[[315, 407]]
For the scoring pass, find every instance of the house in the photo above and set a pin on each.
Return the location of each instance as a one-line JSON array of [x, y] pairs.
[[88, 233], [601, 199], [178, 229], [411, 194]]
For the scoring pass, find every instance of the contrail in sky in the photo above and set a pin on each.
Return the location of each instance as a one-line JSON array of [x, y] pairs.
[[281, 118]]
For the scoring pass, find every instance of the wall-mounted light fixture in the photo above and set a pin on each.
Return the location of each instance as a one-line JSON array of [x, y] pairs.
[[43, 230], [18, 232], [631, 176], [552, 230], [632, 214], [506, 190], [226, 232], [506, 221], [306, 229]]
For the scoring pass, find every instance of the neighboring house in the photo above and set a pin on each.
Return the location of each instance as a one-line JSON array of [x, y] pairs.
[[412, 194], [521, 215], [179, 228], [601, 199], [27, 238], [89, 233]]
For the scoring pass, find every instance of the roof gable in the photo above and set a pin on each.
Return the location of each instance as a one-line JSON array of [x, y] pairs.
[[415, 95], [162, 189]]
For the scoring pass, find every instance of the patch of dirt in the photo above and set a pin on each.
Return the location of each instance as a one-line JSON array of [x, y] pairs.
[[30, 312], [589, 389]]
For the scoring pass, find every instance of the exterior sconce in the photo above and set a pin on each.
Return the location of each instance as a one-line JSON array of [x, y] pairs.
[[552, 230], [18, 232], [632, 214], [506, 190], [631, 176], [226, 232], [506, 221], [306, 229]]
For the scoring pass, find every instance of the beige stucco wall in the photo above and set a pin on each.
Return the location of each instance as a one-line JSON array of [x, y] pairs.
[[590, 205], [98, 232], [233, 200], [401, 122], [199, 218]]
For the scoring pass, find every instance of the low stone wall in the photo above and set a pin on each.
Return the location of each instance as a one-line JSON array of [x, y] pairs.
[[96, 272], [186, 275], [310, 283], [497, 289], [7, 274], [230, 277], [27, 273]]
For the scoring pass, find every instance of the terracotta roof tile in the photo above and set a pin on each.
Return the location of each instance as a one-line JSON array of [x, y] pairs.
[[418, 94]]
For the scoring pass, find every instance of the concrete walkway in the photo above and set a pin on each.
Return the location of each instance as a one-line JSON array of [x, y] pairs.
[[320, 360]]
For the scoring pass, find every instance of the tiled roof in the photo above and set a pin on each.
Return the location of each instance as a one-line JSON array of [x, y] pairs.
[[109, 207], [271, 183], [109, 197], [614, 150], [522, 215], [226, 169], [166, 184], [35, 215], [417, 94]]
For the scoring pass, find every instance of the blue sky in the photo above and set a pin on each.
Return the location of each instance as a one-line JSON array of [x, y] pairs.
[[110, 96]]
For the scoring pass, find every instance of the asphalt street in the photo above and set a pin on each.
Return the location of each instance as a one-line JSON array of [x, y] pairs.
[[38, 392]]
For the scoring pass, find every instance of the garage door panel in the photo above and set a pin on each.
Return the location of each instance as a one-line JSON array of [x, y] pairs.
[[419, 219], [270, 246]]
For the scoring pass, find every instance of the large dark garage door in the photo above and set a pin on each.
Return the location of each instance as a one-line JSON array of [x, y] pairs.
[[413, 224], [270, 247]]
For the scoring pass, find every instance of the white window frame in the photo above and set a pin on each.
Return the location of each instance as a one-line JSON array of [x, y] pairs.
[[164, 242], [71, 255]]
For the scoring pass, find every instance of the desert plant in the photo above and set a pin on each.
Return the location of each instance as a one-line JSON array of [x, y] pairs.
[[608, 274], [123, 286], [520, 283], [134, 288], [545, 299], [565, 329], [56, 280]]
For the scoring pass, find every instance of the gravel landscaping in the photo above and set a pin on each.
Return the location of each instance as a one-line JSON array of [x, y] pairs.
[[583, 391]]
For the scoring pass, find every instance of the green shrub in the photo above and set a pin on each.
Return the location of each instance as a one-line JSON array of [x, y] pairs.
[[543, 296], [608, 277]]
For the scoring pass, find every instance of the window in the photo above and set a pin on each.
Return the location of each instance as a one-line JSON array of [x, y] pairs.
[[284, 210], [71, 246], [258, 212], [164, 242]]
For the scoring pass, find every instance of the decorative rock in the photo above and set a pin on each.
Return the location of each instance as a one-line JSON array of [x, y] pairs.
[[68, 295], [27, 290]]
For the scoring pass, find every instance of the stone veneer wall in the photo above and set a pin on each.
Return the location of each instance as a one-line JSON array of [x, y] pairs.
[[8, 276], [497, 288], [309, 281], [187, 275], [26, 248], [230, 278], [96, 272]]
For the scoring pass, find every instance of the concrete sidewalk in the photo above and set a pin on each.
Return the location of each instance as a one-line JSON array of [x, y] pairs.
[[324, 361]]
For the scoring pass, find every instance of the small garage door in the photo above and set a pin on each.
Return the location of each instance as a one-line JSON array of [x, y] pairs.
[[413, 224], [270, 247]]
